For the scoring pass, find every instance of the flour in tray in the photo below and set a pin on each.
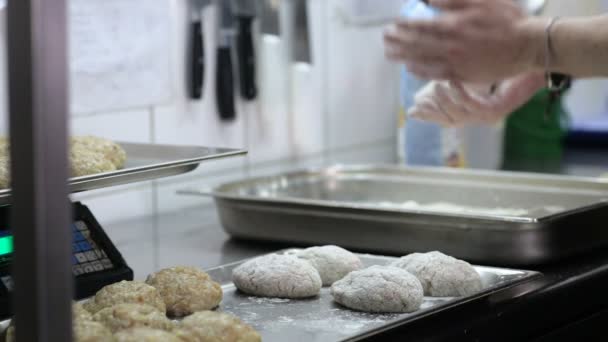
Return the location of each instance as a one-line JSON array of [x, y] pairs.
[[454, 208], [350, 322], [264, 300]]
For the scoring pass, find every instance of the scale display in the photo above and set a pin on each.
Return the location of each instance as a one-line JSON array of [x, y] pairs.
[[6, 244], [95, 260]]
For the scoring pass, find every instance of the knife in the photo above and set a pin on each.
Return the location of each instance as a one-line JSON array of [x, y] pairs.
[[225, 78], [273, 68], [301, 44], [302, 81], [245, 11], [196, 72]]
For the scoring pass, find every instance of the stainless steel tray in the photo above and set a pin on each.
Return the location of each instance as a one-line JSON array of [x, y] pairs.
[[145, 162], [544, 217], [320, 319]]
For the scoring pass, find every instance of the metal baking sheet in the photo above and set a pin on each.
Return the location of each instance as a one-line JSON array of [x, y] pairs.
[[145, 162], [509, 218], [320, 319]]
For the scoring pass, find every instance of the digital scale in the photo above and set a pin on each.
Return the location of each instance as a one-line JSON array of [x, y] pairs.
[[95, 260]]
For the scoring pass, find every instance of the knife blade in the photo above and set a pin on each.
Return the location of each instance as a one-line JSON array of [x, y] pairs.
[[269, 18], [273, 66], [302, 80], [245, 11], [301, 44], [225, 76]]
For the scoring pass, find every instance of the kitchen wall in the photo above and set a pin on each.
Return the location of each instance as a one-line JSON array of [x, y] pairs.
[[350, 115], [348, 118]]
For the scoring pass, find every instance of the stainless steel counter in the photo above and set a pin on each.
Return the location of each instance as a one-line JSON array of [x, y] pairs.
[[188, 237]]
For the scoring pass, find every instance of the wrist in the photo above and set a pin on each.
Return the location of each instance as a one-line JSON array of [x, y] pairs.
[[532, 31]]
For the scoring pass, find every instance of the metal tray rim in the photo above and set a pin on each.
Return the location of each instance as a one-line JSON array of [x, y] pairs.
[[439, 170], [73, 182], [218, 193]]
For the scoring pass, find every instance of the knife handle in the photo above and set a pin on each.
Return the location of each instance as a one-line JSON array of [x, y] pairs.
[[197, 61], [246, 55], [225, 84]]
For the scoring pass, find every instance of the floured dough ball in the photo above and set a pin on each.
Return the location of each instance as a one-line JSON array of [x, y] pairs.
[[84, 331], [379, 289], [90, 331], [332, 262], [274, 275], [215, 326], [125, 292], [110, 150], [441, 275], [125, 316], [87, 162], [146, 335], [186, 290]]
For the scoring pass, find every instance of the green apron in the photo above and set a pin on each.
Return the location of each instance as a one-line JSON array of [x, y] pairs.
[[534, 140]]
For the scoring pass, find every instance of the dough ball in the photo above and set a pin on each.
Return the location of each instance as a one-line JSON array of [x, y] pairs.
[[4, 146], [5, 172], [215, 326], [146, 335], [87, 162], [90, 331], [125, 292], [125, 316], [186, 290], [332, 262], [110, 150], [274, 275], [84, 331], [9, 334], [80, 313], [441, 275], [379, 289], [88, 155]]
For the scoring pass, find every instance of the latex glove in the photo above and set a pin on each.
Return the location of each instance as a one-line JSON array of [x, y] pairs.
[[473, 41], [453, 103]]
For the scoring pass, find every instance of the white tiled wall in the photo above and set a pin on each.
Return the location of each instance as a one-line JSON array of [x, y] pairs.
[[346, 115], [362, 88]]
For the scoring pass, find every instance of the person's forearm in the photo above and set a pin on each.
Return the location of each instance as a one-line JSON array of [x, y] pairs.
[[580, 45]]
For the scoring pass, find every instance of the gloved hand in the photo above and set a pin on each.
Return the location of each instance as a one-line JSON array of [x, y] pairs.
[[453, 103], [471, 41]]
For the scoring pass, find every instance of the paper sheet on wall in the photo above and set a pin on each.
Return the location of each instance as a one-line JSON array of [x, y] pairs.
[[119, 54]]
